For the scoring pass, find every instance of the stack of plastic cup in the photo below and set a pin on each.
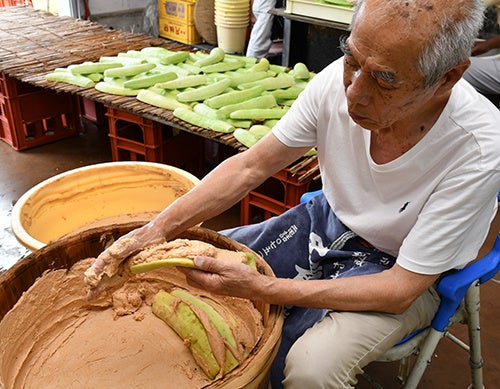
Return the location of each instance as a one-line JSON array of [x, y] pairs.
[[231, 19]]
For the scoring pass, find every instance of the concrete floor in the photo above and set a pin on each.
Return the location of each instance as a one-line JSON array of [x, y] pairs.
[[20, 170]]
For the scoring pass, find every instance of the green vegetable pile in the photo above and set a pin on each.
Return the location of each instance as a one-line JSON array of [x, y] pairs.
[[218, 91]]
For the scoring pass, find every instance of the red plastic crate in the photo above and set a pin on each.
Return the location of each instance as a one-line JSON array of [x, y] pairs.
[[93, 111], [11, 87], [276, 195], [9, 3], [31, 116], [136, 138]]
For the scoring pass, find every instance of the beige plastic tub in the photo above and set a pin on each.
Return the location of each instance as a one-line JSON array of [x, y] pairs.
[[94, 196]]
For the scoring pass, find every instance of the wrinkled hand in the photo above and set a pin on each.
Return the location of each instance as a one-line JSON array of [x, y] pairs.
[[107, 270], [224, 277]]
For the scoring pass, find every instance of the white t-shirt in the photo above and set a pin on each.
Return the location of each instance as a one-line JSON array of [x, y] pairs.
[[432, 206]]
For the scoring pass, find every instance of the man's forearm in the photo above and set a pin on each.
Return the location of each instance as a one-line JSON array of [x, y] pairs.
[[494, 42], [218, 191], [381, 292], [227, 184]]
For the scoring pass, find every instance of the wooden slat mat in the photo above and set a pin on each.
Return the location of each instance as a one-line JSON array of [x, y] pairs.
[[34, 43]]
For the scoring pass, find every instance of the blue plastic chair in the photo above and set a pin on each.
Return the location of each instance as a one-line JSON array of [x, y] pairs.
[[460, 301], [309, 195]]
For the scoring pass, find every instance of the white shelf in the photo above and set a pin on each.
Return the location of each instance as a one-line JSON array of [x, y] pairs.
[[318, 10]]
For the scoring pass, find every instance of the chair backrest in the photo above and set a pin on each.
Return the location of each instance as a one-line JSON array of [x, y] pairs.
[[308, 195], [453, 287]]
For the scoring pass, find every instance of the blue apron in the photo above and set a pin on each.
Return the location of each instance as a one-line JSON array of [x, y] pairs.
[[308, 242]]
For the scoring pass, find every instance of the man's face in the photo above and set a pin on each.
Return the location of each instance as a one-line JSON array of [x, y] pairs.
[[381, 82]]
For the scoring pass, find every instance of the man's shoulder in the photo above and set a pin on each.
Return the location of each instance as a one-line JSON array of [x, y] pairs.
[[475, 115], [468, 104], [329, 78]]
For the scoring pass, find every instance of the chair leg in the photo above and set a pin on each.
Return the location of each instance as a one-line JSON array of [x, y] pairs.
[[374, 384], [404, 369], [472, 306], [423, 359]]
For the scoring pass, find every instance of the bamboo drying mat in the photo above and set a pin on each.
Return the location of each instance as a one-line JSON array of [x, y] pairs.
[[35, 42]]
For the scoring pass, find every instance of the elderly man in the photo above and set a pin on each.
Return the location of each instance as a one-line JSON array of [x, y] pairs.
[[410, 164]]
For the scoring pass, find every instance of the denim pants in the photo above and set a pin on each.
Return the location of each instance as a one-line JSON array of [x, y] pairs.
[[308, 242]]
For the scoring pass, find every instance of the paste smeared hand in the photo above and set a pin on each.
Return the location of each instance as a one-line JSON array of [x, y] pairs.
[[181, 253], [229, 278], [107, 270]]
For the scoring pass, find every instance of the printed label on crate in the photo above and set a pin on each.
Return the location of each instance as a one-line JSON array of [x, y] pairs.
[[174, 30], [181, 32], [180, 10], [172, 8]]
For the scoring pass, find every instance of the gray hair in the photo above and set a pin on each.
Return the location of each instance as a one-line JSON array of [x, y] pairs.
[[451, 42]]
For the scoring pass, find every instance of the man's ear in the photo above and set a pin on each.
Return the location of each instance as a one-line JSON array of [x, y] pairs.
[[451, 77]]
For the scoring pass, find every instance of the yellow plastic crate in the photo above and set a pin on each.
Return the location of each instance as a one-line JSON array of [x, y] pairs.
[[179, 31], [178, 10]]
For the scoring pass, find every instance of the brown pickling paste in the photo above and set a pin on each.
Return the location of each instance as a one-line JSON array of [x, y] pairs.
[[55, 338]]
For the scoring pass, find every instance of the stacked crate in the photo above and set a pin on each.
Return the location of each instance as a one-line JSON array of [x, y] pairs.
[[136, 138], [9, 3], [93, 111], [176, 21], [32, 116], [277, 194], [133, 137]]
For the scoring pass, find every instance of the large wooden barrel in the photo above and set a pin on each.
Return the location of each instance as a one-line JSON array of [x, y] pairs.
[[253, 373]]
